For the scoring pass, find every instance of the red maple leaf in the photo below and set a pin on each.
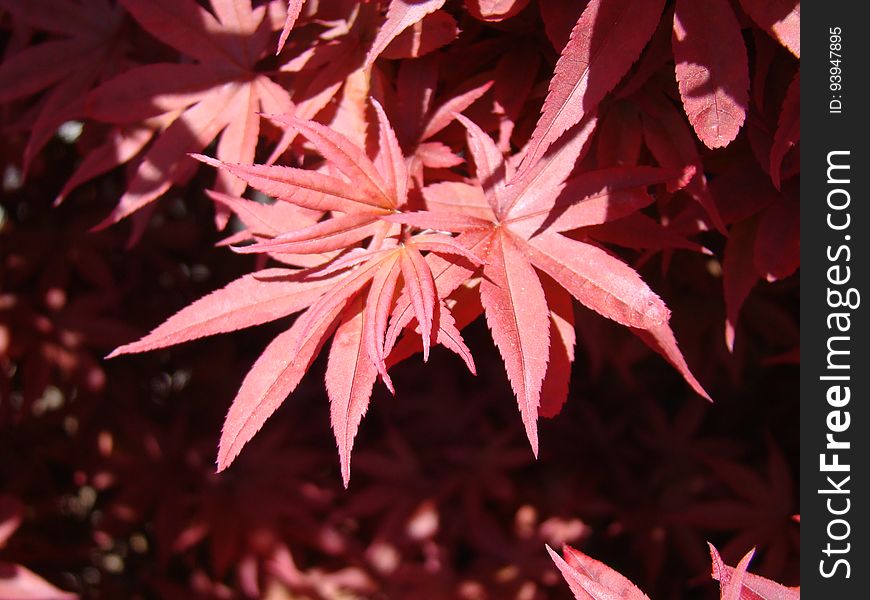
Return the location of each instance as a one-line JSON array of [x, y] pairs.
[[736, 583], [199, 100], [419, 116], [332, 292], [524, 220], [607, 38], [516, 232], [590, 579]]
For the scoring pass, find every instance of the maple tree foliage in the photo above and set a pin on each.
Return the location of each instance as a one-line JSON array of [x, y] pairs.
[[220, 92], [737, 582], [561, 194], [514, 236], [590, 579]]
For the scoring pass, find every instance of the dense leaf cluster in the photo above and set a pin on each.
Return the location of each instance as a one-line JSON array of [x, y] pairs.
[[599, 184]]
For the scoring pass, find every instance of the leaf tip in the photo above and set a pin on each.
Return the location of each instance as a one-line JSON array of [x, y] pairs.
[[116, 352], [532, 434], [729, 335], [206, 159], [388, 381], [553, 554], [226, 456], [105, 223]]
